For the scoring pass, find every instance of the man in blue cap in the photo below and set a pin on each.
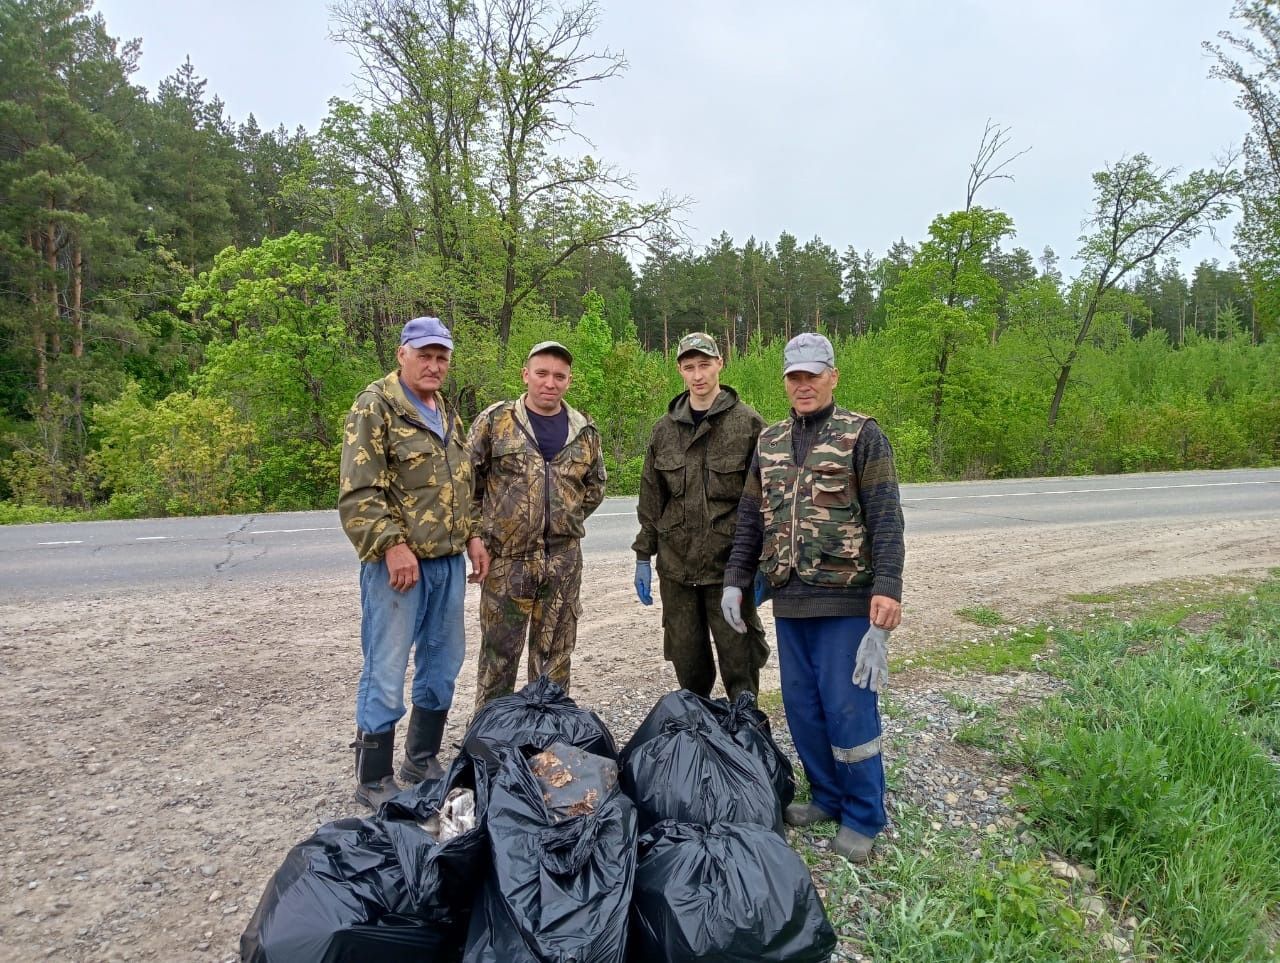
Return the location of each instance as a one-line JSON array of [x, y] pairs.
[[405, 504], [821, 518]]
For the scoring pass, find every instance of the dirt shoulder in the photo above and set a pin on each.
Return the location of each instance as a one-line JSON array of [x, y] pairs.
[[162, 752]]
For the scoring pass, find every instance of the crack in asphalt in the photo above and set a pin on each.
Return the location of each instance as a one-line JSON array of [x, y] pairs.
[[230, 561]]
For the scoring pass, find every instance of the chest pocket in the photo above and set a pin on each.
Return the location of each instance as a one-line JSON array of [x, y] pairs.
[[832, 490], [726, 475], [419, 461]]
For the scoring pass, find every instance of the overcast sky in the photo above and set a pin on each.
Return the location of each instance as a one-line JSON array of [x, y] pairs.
[[852, 120]]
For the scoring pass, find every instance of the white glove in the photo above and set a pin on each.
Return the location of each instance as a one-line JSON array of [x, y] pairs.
[[871, 667], [731, 609]]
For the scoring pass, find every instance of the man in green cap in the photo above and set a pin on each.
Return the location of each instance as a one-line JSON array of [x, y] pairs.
[[539, 472], [694, 471]]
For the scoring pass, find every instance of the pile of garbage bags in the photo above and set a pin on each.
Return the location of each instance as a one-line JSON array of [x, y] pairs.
[[543, 843]]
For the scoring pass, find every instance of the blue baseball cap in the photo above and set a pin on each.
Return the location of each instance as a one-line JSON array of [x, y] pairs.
[[421, 332]]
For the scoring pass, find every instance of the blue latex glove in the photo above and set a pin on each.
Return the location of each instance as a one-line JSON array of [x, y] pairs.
[[644, 583], [762, 589], [731, 608]]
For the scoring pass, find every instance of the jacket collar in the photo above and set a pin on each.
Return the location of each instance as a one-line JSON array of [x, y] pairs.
[[680, 409], [578, 421], [815, 420]]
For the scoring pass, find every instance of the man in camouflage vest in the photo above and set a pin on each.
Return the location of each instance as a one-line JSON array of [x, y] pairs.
[[821, 518], [694, 470], [539, 472], [405, 503]]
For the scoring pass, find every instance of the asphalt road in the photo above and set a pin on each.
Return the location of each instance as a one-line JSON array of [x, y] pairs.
[[93, 558]]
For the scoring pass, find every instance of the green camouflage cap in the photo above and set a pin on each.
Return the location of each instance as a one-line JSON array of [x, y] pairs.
[[697, 341]]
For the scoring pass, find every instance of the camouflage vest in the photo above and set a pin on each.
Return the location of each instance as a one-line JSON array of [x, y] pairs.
[[812, 517]]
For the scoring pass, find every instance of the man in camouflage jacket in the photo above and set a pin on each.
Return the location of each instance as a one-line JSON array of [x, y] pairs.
[[694, 470], [821, 518], [405, 504], [539, 472]]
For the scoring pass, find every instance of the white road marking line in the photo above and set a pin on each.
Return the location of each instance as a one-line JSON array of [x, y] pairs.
[[1085, 491], [78, 541], [152, 538], [290, 531]]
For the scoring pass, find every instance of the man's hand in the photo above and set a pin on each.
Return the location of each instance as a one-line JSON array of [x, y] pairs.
[[761, 589], [479, 556], [886, 613], [871, 667], [402, 567], [731, 609], [644, 583]]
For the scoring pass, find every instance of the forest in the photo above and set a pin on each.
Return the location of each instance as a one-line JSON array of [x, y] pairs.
[[189, 303]]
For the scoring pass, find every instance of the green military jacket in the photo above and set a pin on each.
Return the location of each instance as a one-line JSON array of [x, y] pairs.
[[399, 481], [528, 505], [812, 516], [690, 486]]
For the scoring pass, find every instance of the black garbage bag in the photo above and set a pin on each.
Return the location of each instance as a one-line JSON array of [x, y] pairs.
[[340, 897], [538, 715], [558, 891], [742, 720], [692, 771], [443, 880], [375, 889], [722, 893]]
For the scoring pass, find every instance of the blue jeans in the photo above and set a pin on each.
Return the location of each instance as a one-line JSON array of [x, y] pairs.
[[426, 619], [834, 724]]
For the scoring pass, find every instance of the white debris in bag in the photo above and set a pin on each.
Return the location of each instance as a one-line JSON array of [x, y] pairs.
[[458, 814]]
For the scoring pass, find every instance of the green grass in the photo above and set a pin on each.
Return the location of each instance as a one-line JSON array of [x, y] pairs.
[[982, 615], [1004, 653], [984, 728], [1155, 768], [927, 898]]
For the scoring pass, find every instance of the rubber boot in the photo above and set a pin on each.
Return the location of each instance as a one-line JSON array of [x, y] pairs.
[[375, 781], [806, 814], [422, 745]]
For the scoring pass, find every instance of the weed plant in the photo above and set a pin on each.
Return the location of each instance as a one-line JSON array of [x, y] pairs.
[[1158, 768]]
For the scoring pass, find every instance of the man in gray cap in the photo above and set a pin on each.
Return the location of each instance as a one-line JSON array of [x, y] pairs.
[[821, 518], [539, 472], [694, 470], [405, 503]]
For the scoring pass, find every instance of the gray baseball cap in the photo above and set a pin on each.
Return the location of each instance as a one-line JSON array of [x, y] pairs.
[[808, 352], [550, 347], [698, 341], [421, 332]]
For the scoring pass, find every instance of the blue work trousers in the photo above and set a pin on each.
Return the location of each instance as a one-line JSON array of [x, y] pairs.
[[835, 724], [426, 619]]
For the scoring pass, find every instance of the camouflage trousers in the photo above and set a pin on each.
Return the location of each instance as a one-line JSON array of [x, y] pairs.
[[533, 598], [691, 618]]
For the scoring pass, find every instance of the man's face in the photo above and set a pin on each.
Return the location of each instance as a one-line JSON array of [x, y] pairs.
[[423, 369], [701, 376], [547, 376], [811, 392]]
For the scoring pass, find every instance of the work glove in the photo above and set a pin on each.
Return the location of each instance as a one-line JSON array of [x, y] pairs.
[[644, 583], [871, 668], [761, 589], [731, 608]]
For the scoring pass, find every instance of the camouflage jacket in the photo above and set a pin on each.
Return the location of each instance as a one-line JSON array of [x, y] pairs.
[[812, 516], [399, 481], [689, 490], [526, 504]]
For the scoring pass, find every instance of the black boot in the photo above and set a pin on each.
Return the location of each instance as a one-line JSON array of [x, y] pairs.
[[422, 744], [375, 782]]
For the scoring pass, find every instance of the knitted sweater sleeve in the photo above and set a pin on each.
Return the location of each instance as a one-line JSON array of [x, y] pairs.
[[881, 509]]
